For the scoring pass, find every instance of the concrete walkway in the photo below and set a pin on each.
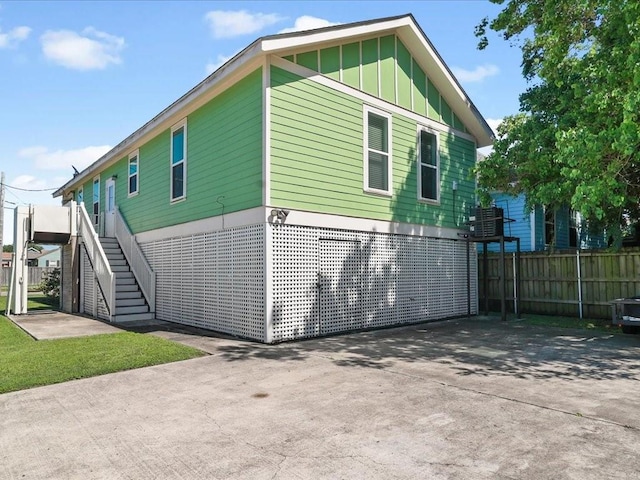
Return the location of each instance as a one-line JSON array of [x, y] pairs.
[[464, 399], [50, 324]]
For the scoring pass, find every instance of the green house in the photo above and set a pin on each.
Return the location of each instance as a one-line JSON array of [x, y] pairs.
[[315, 183]]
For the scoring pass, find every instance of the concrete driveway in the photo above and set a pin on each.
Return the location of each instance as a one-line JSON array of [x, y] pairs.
[[467, 399]]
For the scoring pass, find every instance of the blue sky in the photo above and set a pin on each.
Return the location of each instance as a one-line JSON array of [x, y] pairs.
[[78, 77]]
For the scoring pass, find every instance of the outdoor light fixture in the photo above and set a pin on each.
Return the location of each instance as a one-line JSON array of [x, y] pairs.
[[280, 214]]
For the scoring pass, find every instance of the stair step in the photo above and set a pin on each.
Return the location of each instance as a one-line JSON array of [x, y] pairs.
[[118, 262], [123, 275], [127, 294], [125, 281], [126, 287], [130, 302], [120, 268], [135, 317], [133, 309]]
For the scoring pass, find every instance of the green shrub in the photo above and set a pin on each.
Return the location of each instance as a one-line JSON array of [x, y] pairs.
[[50, 284]]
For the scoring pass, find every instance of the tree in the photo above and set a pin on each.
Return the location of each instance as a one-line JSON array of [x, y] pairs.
[[7, 248], [576, 140]]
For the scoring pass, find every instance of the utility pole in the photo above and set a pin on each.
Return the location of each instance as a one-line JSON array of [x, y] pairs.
[[1, 222]]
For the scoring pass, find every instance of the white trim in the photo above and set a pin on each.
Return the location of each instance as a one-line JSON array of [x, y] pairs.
[[182, 124], [262, 215], [266, 130], [341, 77], [243, 218], [360, 77], [413, 107], [268, 284], [379, 70], [93, 201], [80, 192], [532, 219], [365, 138], [422, 199], [365, 97], [135, 154]]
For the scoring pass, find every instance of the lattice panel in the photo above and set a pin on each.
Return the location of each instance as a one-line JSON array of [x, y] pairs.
[[91, 293], [400, 279], [212, 280]]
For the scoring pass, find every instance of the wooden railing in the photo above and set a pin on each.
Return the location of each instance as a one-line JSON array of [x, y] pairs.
[[141, 269], [101, 268]]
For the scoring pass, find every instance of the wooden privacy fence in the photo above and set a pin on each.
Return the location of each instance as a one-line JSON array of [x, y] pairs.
[[35, 274], [580, 284]]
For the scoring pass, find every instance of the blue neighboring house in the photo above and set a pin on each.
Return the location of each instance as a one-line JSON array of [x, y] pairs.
[[543, 229]]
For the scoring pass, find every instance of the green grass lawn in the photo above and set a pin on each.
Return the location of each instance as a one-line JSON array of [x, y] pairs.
[[26, 363]]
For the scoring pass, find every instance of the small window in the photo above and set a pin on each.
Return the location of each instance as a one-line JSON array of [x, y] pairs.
[[377, 162], [133, 173], [428, 160], [178, 161], [80, 197], [96, 200]]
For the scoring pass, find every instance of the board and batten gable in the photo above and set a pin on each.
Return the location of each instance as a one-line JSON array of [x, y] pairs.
[[224, 164], [382, 67], [317, 158]]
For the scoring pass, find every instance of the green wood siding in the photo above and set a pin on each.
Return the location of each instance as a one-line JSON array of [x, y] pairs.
[[317, 160], [383, 67], [224, 164], [330, 62]]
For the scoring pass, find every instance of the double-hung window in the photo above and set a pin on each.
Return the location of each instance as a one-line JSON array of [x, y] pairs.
[[377, 151], [80, 197], [96, 200], [429, 168], [179, 161], [133, 173]]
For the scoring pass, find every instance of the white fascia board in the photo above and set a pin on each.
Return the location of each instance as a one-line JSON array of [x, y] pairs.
[[276, 45], [245, 62], [442, 78]]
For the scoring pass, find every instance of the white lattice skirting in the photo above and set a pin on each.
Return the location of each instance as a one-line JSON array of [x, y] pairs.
[[321, 280]]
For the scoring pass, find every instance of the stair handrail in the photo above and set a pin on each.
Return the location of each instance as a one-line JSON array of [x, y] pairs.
[[138, 263], [101, 268]]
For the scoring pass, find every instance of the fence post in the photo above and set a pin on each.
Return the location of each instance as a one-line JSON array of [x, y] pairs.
[[579, 284]]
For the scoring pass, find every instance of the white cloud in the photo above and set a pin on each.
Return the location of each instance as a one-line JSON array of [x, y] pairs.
[[493, 123], [28, 181], [227, 23], [88, 50], [14, 36], [476, 75], [213, 66], [307, 22], [80, 158]]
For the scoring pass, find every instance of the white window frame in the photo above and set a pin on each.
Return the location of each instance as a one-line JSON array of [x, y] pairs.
[[365, 133], [80, 195], [435, 133], [181, 124], [135, 154], [96, 217]]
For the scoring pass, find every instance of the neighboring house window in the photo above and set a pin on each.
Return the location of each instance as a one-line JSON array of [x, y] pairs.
[[377, 150], [549, 226], [429, 174], [133, 173], [80, 198], [96, 200], [178, 161]]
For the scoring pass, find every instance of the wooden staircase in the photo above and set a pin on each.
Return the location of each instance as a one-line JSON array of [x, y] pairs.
[[131, 305]]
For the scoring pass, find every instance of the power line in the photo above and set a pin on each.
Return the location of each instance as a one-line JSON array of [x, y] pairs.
[[30, 189]]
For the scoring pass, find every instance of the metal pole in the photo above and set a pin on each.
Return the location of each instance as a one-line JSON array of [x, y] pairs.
[[579, 283], [517, 282], [468, 280], [485, 277], [503, 283], [2, 222]]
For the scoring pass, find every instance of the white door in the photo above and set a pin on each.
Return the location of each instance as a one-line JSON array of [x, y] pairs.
[[340, 286], [110, 208]]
